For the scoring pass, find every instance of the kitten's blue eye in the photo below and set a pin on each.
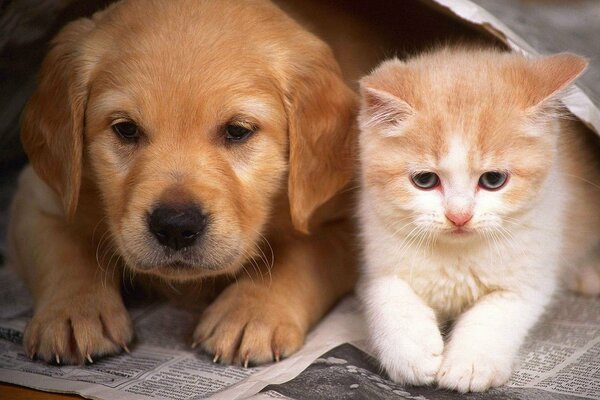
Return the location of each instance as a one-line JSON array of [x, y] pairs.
[[425, 180], [493, 180]]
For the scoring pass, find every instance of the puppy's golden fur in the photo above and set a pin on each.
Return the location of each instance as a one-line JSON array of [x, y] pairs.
[[182, 71]]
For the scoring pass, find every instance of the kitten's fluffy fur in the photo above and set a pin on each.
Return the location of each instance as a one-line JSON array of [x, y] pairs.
[[460, 113]]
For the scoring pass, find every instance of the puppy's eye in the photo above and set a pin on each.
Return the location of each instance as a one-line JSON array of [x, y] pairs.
[[236, 133], [127, 131], [425, 180], [493, 180]]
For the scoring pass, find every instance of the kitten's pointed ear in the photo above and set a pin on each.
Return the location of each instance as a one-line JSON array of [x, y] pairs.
[[380, 108], [386, 95], [553, 74]]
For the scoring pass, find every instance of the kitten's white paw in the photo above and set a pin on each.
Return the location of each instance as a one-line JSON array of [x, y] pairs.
[[469, 370], [411, 355]]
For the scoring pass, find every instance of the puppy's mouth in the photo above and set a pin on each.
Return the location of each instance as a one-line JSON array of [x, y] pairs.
[[178, 265], [211, 256], [183, 266], [182, 271]]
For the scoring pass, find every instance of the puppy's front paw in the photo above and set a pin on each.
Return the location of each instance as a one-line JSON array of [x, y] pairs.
[[467, 369], [78, 329], [413, 354], [246, 324]]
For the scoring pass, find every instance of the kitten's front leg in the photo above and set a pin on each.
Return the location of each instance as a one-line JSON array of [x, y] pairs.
[[485, 340], [403, 330]]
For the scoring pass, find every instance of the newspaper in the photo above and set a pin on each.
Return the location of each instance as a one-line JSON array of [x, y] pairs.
[[560, 359], [161, 364]]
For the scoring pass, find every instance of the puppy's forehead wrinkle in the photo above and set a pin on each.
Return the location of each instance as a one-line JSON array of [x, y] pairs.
[[197, 108], [216, 50], [177, 177], [255, 107], [110, 101]]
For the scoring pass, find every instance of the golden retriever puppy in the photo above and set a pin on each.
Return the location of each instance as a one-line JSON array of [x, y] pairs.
[[176, 141]]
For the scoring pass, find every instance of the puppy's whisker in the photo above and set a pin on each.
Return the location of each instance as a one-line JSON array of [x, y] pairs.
[[100, 242], [100, 245], [252, 262], [268, 264], [247, 273], [114, 253]]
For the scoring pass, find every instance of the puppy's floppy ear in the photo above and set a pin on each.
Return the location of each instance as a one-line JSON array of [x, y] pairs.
[[322, 135], [53, 120]]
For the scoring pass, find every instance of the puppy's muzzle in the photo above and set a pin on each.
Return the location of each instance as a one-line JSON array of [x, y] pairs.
[[177, 226]]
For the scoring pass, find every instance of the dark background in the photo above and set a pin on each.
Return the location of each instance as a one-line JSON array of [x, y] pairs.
[[26, 27]]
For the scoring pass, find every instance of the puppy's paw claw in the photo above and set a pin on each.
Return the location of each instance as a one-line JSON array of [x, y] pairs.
[[245, 327], [72, 331]]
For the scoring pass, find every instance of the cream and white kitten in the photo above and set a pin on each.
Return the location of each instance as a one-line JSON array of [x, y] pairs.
[[475, 195]]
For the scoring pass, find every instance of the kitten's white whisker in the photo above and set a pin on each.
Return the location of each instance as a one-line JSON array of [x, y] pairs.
[[410, 239], [583, 180]]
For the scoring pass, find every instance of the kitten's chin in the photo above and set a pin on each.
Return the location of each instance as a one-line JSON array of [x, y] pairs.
[[460, 234]]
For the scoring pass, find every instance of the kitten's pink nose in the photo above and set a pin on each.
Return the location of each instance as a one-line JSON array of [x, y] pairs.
[[459, 218]]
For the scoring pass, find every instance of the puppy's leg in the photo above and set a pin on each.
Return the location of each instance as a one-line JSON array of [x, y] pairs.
[[79, 313], [265, 317]]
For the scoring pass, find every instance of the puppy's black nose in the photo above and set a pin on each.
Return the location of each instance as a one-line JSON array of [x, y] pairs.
[[177, 226]]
